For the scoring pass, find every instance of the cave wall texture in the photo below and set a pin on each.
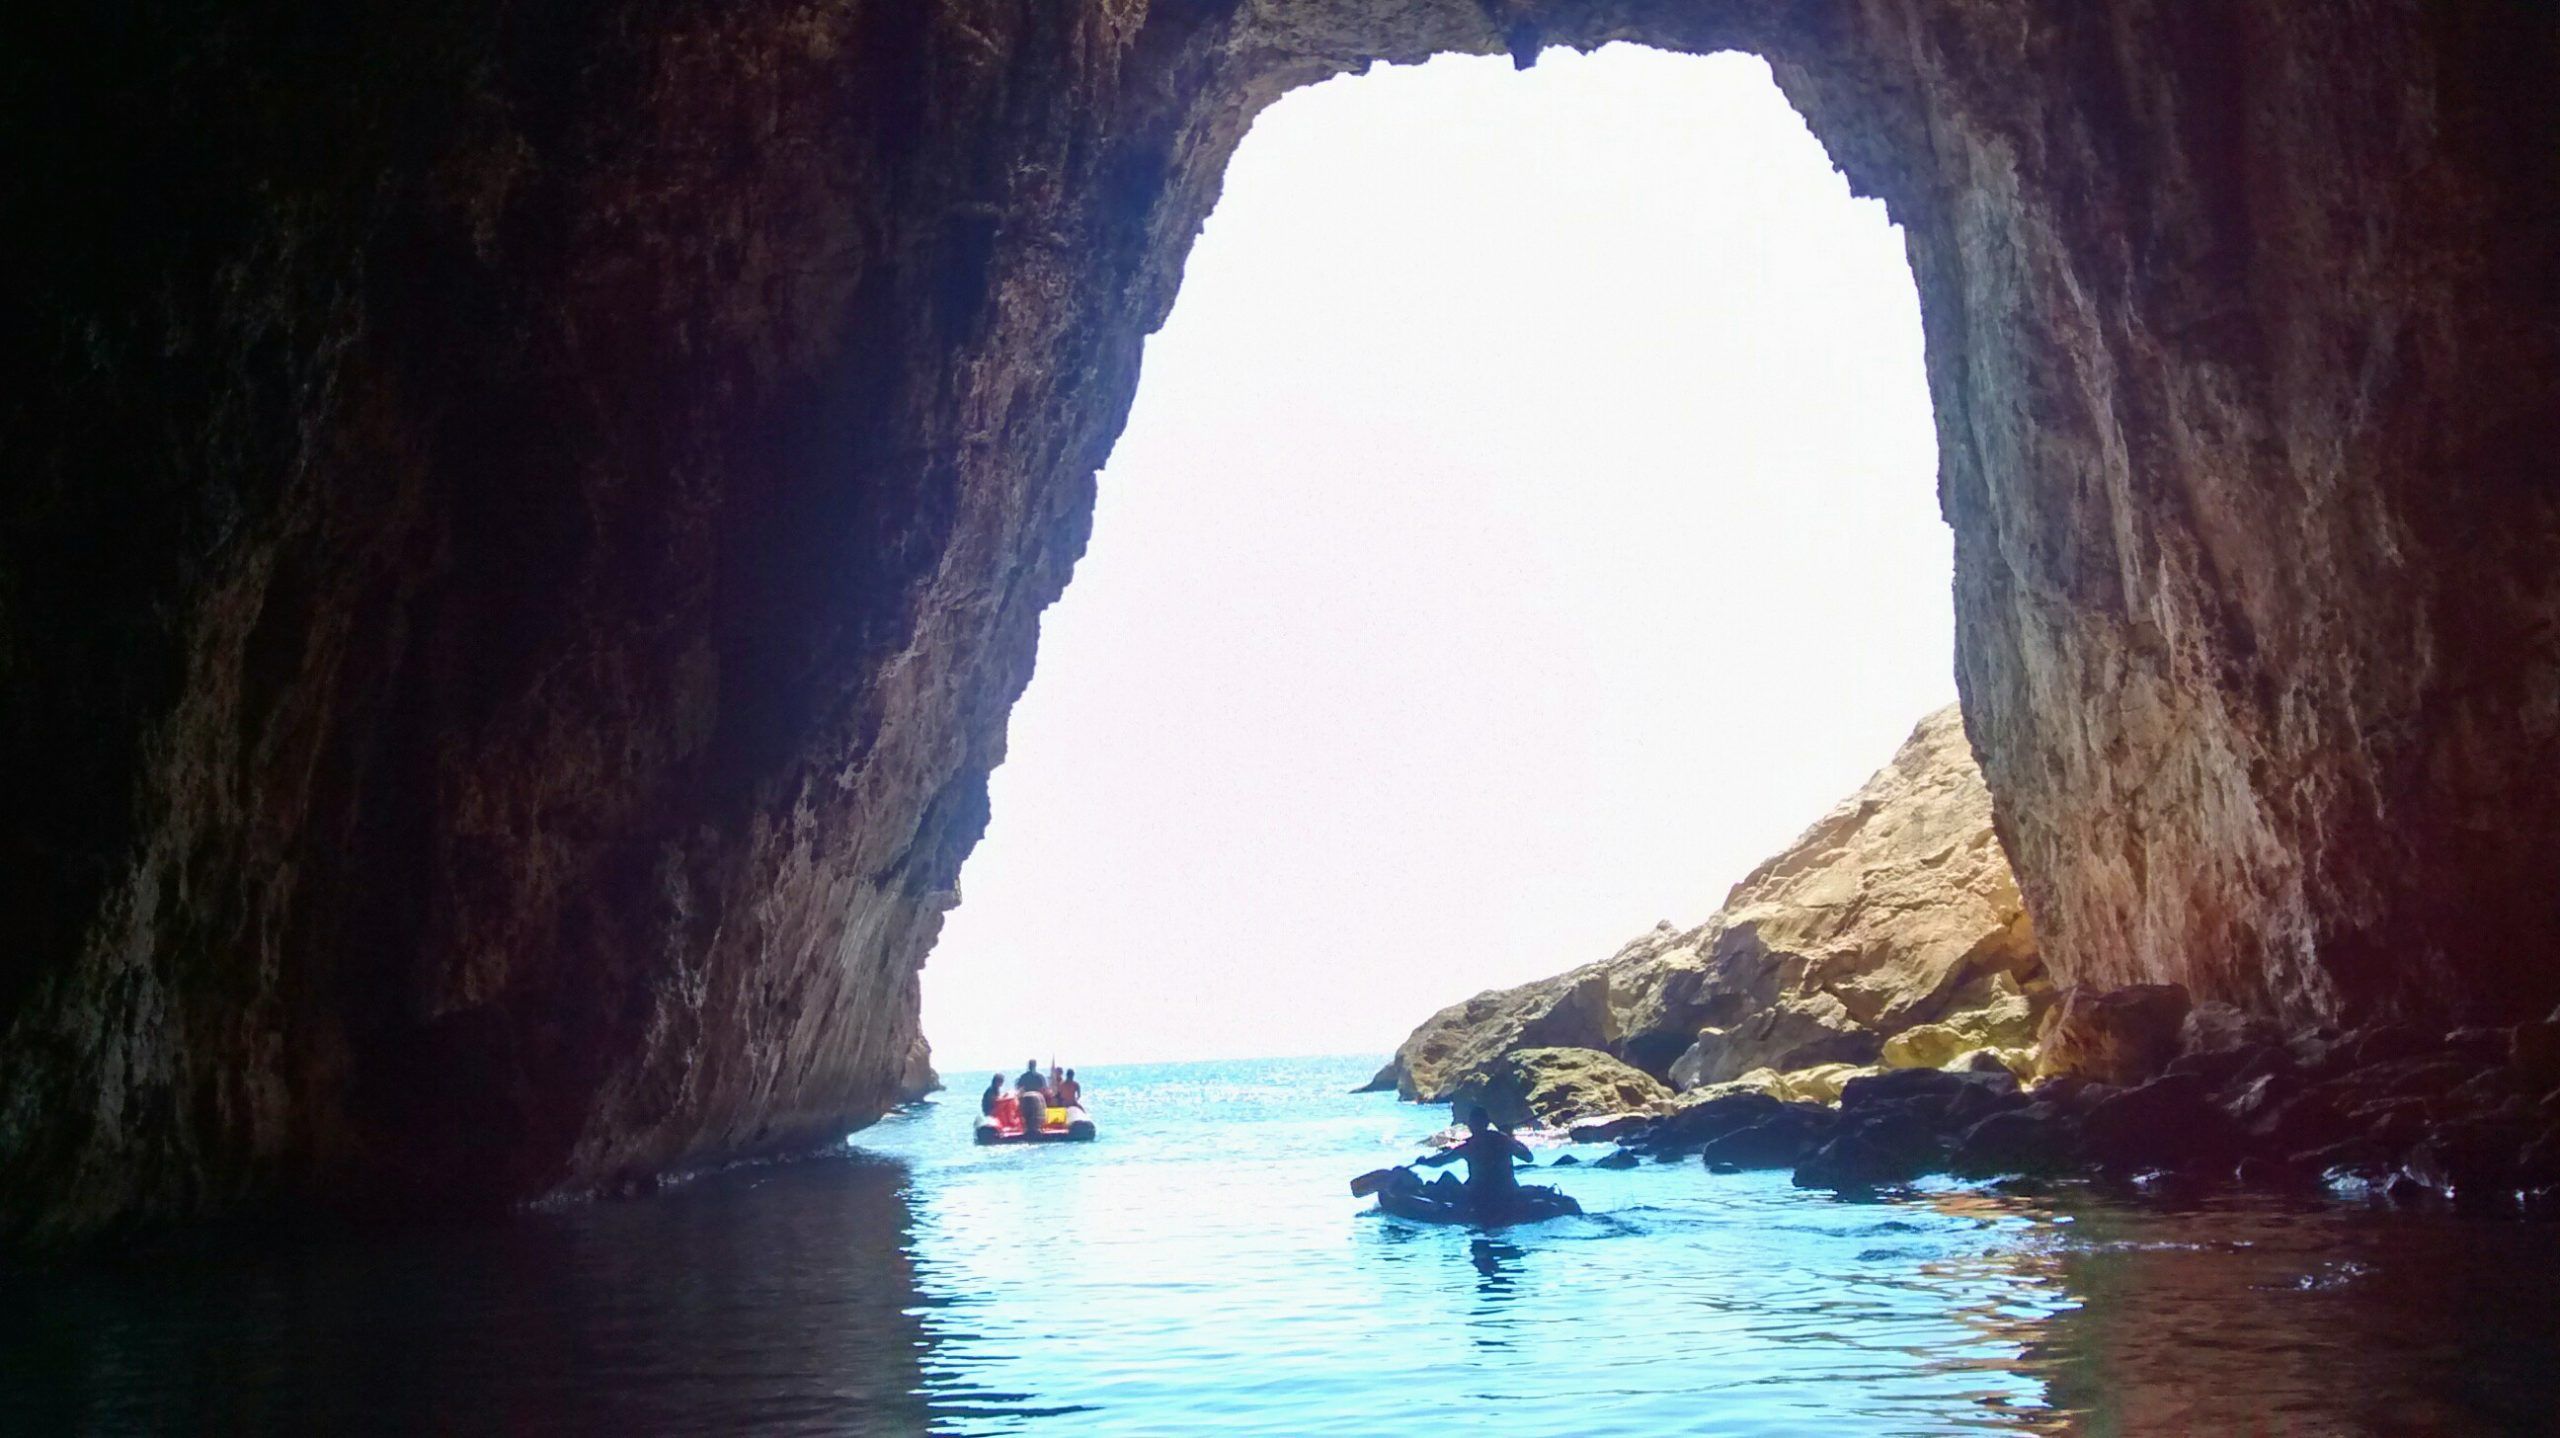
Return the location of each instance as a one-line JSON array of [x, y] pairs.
[[524, 521]]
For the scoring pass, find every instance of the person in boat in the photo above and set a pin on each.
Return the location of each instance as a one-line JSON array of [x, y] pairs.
[[1489, 1151], [995, 1094], [1031, 1091], [1069, 1093]]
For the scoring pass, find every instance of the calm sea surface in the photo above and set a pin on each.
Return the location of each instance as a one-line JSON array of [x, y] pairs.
[[1202, 1269]]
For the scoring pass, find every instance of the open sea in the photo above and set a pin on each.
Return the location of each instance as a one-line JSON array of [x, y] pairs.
[[1202, 1268]]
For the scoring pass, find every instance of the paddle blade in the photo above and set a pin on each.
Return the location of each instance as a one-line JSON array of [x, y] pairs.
[[1370, 1182]]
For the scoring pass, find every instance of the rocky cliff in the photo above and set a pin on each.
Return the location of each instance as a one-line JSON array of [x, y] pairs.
[[1891, 933], [525, 521]]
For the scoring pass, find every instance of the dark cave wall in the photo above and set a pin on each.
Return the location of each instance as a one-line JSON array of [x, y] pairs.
[[528, 522]]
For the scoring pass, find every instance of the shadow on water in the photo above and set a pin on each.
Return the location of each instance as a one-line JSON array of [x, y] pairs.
[[769, 1299]]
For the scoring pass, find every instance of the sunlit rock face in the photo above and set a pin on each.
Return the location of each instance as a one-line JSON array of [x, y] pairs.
[[526, 523], [1891, 931]]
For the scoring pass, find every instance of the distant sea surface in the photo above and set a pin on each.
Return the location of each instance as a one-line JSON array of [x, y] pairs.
[[1202, 1268]]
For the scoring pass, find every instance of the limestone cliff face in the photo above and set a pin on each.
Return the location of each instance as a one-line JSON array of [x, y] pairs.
[[525, 521], [1894, 914]]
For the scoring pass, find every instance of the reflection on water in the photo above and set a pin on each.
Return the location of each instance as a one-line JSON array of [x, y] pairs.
[[774, 1300], [1201, 1268]]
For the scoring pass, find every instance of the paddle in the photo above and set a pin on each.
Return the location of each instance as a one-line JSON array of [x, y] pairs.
[[1370, 1182]]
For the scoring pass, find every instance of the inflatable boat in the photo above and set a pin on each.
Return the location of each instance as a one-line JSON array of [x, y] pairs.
[[1064, 1125]]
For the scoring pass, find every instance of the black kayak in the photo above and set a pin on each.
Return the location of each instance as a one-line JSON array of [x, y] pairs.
[[1532, 1204]]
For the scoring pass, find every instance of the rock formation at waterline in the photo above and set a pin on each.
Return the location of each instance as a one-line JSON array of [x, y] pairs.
[[525, 524], [1890, 933]]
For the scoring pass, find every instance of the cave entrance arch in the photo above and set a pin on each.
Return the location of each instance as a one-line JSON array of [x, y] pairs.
[[1526, 524]]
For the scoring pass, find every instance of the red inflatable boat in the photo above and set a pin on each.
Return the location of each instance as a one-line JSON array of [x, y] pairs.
[[1063, 1125]]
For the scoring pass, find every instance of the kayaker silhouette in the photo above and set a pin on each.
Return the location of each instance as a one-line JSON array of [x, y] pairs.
[[1491, 1185]]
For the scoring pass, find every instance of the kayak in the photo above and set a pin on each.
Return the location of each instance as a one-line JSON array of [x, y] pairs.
[[1535, 1204], [1401, 1195], [1065, 1125]]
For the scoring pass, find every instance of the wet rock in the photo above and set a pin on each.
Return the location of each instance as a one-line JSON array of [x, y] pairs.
[[2039, 1138], [2284, 1122], [2357, 1157], [2166, 1123], [2215, 1027], [2395, 1124], [2117, 1036], [2472, 1162], [2480, 1044], [1692, 1124], [2226, 1066], [1863, 1158], [1779, 1141], [1610, 1128], [1974, 1102], [1565, 1160], [2389, 1043], [2261, 1171], [1618, 1158], [1902, 1085], [2420, 1076], [2485, 1092], [2538, 1162]]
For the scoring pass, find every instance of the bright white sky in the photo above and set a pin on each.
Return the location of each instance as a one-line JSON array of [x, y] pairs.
[[1527, 524]]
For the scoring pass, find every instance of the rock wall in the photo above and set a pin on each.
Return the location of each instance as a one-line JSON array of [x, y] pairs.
[[525, 521]]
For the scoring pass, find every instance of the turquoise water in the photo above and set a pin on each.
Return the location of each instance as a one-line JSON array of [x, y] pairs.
[[1203, 1269]]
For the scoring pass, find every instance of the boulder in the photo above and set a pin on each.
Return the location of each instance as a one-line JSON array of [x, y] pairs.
[[1779, 1141], [1552, 1087], [2017, 1063], [1823, 1082], [1794, 1033], [2040, 1138], [1999, 1009], [1926, 1046], [1865, 1159], [2387, 1043], [2215, 1027], [2165, 1123], [916, 1077], [1610, 1128], [1902, 1085], [1691, 1123], [2115, 1036], [1462, 1043]]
